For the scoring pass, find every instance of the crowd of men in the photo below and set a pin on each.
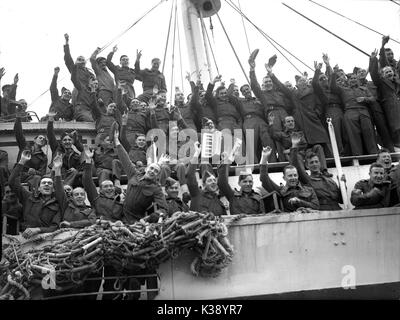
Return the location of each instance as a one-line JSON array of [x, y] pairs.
[[43, 193]]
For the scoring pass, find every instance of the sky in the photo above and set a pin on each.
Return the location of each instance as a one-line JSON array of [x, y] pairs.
[[32, 37]]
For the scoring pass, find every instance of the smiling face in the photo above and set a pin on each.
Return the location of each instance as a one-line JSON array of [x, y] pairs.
[[388, 73], [152, 171], [267, 84], [389, 54], [173, 190], [68, 190], [161, 98], [141, 141], [211, 184], [155, 64], [111, 109], [66, 95], [323, 80], [301, 83], [314, 164], [93, 83], [9, 195], [40, 141], [124, 61], [179, 97], [353, 81], [361, 74], [46, 186], [291, 177], [376, 175], [79, 197], [384, 159], [67, 142], [202, 95], [246, 184], [80, 61], [246, 91], [107, 189]]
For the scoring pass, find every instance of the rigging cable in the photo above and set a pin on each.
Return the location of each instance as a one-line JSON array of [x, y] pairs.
[[345, 41], [244, 28], [233, 49], [269, 39], [204, 29], [107, 44], [168, 33], [173, 54], [395, 2], [180, 56], [339, 14]]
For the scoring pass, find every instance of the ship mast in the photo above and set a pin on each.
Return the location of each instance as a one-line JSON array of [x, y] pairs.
[[193, 12]]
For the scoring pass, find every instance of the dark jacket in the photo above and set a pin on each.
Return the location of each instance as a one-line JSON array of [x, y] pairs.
[[239, 202], [150, 78], [37, 212], [389, 93], [122, 73], [326, 189], [140, 193], [107, 208], [63, 109], [203, 200], [306, 194], [176, 205], [78, 217], [307, 113], [370, 197]]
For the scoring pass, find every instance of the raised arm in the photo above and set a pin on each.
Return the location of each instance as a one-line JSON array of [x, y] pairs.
[[123, 156], [383, 61], [294, 160], [19, 134], [109, 63], [190, 176], [223, 183], [53, 85], [316, 86], [59, 188], [266, 181], [69, 62], [14, 180], [87, 180], [51, 137], [209, 93], [373, 68], [93, 62]]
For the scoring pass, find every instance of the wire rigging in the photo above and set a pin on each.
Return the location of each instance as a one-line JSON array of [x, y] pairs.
[[270, 40], [173, 53], [244, 28], [345, 41], [180, 56], [230, 43], [168, 33], [205, 32], [341, 15]]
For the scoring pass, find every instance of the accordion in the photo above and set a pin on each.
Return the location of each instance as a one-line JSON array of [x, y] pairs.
[[211, 143]]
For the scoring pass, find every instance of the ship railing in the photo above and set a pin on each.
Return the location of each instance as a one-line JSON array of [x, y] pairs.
[[13, 117]]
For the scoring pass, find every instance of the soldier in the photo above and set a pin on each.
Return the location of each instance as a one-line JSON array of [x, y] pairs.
[[124, 76], [41, 211], [373, 192], [294, 194], [60, 105], [75, 213], [106, 81], [141, 191], [326, 189], [207, 199], [245, 200], [174, 202], [392, 174]]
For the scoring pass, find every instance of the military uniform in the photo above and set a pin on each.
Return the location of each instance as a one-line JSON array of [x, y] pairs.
[[307, 196], [63, 109], [372, 196]]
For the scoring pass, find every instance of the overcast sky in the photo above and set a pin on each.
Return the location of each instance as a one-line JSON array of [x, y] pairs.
[[32, 37]]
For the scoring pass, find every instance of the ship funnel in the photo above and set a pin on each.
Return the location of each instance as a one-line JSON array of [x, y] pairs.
[[207, 7]]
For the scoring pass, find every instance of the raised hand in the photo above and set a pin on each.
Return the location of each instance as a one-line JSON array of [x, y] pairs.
[[271, 119], [266, 152], [325, 58], [385, 39], [56, 70], [16, 79], [87, 153], [317, 66], [115, 49], [125, 118], [25, 156], [296, 138], [164, 159], [217, 79], [138, 54], [374, 54], [272, 60], [268, 68], [58, 161], [116, 137], [66, 36], [2, 72], [188, 77], [197, 149], [30, 232]]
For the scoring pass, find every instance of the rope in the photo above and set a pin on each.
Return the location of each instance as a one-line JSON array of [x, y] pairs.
[[169, 31], [233, 49], [107, 44], [244, 28], [269, 39], [209, 43], [345, 41], [360, 24], [173, 54], [180, 57], [395, 2]]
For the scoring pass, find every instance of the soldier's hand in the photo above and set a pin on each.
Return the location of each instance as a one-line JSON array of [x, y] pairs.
[[66, 36], [197, 149], [217, 79], [272, 60], [125, 118], [374, 54], [115, 49], [56, 70], [31, 171], [268, 68], [317, 66], [30, 232], [16, 79], [25, 156], [266, 152], [58, 162], [188, 77], [87, 153], [325, 58], [385, 39], [271, 119], [138, 54], [2, 72], [296, 138]]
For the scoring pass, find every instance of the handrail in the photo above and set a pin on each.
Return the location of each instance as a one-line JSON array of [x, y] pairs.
[[13, 117]]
